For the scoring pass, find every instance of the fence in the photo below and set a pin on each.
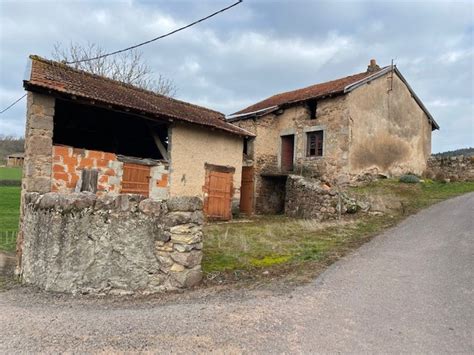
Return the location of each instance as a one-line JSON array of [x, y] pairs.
[[8, 240]]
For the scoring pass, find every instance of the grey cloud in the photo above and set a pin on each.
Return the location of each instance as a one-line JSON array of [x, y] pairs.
[[261, 48]]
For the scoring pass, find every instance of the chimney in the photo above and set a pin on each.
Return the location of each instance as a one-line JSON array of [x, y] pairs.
[[373, 66]]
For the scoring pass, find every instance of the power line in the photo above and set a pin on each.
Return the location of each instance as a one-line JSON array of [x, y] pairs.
[[137, 45], [12, 104], [156, 38]]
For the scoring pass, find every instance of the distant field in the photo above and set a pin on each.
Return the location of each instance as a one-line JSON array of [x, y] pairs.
[[9, 214], [10, 173]]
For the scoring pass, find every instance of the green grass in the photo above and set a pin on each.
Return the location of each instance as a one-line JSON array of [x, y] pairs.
[[10, 173], [9, 214], [284, 242]]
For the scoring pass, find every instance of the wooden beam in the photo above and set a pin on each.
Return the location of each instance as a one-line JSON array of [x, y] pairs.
[[159, 145]]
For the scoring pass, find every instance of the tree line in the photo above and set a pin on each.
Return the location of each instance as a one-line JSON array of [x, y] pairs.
[[10, 145]]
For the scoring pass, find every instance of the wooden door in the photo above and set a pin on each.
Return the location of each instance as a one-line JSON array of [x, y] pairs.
[[136, 179], [246, 190], [218, 202], [287, 152]]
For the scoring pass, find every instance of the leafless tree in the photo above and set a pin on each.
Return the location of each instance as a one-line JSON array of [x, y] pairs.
[[128, 67]]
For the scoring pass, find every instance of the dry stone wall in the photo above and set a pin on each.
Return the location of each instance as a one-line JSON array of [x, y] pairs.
[[457, 168], [84, 243], [307, 198]]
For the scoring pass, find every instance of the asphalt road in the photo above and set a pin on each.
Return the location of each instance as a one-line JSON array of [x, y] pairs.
[[408, 290]]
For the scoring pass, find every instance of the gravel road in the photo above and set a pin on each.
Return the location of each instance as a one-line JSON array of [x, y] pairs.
[[408, 290]]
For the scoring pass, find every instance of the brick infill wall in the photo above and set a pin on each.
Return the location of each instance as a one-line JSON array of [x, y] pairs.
[[68, 163]]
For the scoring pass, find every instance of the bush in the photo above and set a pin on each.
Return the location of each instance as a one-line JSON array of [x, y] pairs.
[[10, 182], [409, 179], [440, 176]]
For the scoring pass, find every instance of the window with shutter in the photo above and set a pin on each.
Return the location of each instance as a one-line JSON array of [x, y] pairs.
[[314, 144]]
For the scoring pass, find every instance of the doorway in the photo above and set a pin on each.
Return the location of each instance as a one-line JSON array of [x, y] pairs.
[[246, 190], [287, 152], [218, 190]]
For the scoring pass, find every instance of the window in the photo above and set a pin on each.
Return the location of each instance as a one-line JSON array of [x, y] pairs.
[[312, 107], [314, 144]]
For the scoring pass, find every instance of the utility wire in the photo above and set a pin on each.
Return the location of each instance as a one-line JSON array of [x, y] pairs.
[[137, 45], [157, 38], [12, 104]]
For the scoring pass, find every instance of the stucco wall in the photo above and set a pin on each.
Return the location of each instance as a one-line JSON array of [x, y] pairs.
[[390, 133], [191, 147]]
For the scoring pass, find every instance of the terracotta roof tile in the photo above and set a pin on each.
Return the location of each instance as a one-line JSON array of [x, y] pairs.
[[310, 92], [61, 78]]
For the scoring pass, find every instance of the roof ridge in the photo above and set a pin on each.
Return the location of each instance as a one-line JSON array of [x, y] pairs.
[[130, 86], [310, 86], [306, 91]]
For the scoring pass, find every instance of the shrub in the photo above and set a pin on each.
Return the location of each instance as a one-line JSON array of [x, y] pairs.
[[10, 182], [440, 176], [409, 179]]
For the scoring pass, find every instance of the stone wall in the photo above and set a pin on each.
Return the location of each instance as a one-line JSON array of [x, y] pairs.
[[38, 143], [83, 243], [37, 165], [331, 118], [309, 198], [457, 168]]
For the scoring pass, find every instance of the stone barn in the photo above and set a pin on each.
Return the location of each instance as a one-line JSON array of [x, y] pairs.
[[112, 183], [15, 160], [368, 123]]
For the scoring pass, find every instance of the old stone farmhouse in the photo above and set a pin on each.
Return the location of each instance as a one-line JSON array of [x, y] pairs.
[[371, 122], [112, 183]]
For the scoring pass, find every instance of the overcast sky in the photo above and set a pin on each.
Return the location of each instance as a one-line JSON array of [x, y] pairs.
[[260, 48]]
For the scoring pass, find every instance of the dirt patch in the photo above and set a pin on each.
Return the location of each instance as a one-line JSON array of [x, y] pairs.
[[7, 264]]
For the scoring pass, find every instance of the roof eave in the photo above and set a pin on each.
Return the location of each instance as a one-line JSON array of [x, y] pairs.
[[28, 86]]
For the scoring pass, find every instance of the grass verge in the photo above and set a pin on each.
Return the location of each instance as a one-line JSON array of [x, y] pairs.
[[280, 245], [10, 173], [9, 215]]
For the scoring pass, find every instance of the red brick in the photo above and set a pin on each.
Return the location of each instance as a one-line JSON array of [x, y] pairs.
[[57, 158], [61, 176], [60, 150], [110, 172], [163, 182], [73, 182], [102, 163], [70, 160], [104, 179], [58, 168], [86, 163], [94, 154], [110, 156]]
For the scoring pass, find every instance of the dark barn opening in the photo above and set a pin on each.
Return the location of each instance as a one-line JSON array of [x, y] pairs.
[[272, 194], [96, 128]]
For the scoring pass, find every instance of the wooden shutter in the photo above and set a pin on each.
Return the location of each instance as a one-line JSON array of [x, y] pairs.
[[136, 179]]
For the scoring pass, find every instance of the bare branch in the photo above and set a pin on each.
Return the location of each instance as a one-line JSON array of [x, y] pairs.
[[128, 67]]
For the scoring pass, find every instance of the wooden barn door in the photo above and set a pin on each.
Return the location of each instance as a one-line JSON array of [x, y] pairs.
[[246, 190], [136, 179], [219, 190]]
